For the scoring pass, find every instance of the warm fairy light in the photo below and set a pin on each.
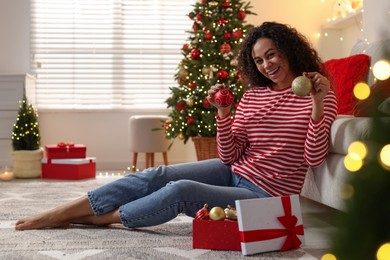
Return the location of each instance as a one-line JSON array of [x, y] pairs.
[[383, 252], [347, 191], [385, 155], [352, 164], [381, 69], [357, 150], [328, 257], [361, 91]]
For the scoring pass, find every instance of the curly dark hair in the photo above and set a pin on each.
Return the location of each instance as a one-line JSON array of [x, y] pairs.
[[295, 46]]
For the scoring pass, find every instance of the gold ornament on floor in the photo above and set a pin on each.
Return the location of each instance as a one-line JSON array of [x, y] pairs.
[[231, 213], [217, 213]]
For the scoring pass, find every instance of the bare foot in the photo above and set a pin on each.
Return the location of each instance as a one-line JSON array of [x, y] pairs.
[[45, 220]]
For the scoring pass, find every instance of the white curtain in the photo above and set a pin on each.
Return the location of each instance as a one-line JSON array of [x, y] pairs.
[[106, 54]]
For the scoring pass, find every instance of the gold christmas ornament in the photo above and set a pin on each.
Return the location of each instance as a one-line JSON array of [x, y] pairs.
[[234, 62], [183, 73], [206, 70], [180, 136], [301, 86], [230, 212], [217, 213]]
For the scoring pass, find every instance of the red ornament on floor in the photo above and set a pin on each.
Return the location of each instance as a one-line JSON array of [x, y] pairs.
[[224, 97], [203, 213]]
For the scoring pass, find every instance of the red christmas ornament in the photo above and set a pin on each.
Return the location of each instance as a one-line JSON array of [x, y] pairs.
[[185, 46], [225, 48], [195, 54], [227, 35], [192, 85], [224, 97], [226, 4], [190, 120], [241, 15], [237, 34], [199, 17], [206, 103], [180, 105], [222, 74], [221, 21], [208, 36], [194, 26], [203, 213]]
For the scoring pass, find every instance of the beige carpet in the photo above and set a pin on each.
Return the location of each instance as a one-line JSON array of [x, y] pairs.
[[172, 240]]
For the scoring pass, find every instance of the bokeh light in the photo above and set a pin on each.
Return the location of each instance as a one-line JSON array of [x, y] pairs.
[[347, 191], [385, 155], [361, 91], [383, 252], [328, 257], [357, 150], [381, 69], [352, 164]]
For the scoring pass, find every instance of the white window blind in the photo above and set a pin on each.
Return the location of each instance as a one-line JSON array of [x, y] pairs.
[[107, 54]]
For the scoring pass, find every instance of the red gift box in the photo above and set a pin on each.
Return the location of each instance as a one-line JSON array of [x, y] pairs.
[[68, 169], [219, 235], [65, 151]]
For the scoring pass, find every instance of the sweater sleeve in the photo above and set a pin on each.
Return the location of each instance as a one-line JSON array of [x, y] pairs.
[[231, 135], [317, 139]]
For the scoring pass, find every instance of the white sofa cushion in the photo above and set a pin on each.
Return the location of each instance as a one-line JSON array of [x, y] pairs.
[[347, 129]]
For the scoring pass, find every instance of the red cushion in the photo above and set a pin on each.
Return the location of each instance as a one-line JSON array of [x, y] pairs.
[[380, 91], [345, 73]]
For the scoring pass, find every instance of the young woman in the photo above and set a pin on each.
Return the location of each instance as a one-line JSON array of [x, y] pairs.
[[265, 151]]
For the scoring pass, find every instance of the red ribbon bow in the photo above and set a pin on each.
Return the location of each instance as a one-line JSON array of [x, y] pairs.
[[291, 230], [62, 144]]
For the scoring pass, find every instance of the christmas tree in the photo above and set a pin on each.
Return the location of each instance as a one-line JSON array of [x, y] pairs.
[[25, 135], [209, 58], [364, 229]]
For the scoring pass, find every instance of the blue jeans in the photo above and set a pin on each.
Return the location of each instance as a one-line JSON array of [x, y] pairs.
[[157, 195]]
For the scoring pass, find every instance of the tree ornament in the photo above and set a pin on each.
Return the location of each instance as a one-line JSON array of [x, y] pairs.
[[181, 136], [190, 120], [217, 213], [227, 35], [191, 15], [203, 213], [226, 4], [206, 103], [225, 48], [192, 85], [194, 26], [301, 86], [180, 105], [241, 15], [183, 73], [237, 34], [208, 36], [234, 62], [221, 21], [195, 54], [185, 46], [222, 74], [224, 97], [199, 17], [206, 70], [190, 102], [230, 212]]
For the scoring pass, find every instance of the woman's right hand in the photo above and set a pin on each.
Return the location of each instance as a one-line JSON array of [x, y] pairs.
[[222, 111]]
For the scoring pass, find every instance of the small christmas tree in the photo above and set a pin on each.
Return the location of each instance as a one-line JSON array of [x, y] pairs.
[[25, 135], [209, 58]]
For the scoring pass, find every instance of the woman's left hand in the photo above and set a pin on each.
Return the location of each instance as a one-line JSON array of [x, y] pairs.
[[321, 85]]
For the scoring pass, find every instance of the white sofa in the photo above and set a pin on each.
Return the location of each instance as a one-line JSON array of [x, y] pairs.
[[325, 184]]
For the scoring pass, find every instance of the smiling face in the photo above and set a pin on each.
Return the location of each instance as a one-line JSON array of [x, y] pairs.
[[272, 64]]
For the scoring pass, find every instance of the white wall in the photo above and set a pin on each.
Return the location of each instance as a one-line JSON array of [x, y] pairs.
[[105, 133]]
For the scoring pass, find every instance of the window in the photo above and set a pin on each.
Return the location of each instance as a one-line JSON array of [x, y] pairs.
[[106, 54]]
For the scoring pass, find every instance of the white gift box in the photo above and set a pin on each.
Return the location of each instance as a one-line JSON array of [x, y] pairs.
[[270, 224]]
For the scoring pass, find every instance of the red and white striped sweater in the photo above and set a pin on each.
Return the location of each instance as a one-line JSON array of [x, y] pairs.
[[273, 140]]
